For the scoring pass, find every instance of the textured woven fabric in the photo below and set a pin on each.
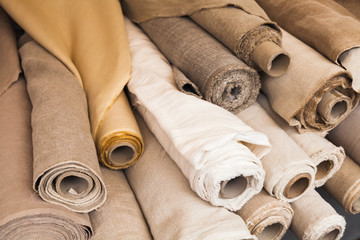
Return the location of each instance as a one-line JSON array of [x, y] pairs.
[[221, 77]]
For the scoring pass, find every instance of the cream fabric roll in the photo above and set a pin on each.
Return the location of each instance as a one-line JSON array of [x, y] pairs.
[[23, 214], [350, 60], [66, 167], [120, 217], [326, 157], [217, 152], [171, 208], [289, 170]]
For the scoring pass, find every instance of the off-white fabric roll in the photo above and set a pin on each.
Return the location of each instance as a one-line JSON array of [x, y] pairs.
[[289, 170], [315, 219], [120, 217], [171, 208], [216, 151], [326, 157], [350, 60]]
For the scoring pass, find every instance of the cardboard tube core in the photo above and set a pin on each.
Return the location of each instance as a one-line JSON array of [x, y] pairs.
[[297, 185], [271, 231], [122, 154], [233, 187], [323, 169], [333, 106], [73, 185]]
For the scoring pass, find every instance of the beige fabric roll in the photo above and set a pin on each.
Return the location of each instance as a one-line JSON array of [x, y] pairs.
[[120, 217], [315, 219], [314, 95], [344, 186], [266, 217], [255, 41], [326, 157], [352, 6], [23, 215], [222, 78], [171, 208], [289, 170], [66, 168]]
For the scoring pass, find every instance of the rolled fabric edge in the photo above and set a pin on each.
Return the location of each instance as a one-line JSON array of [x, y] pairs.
[[184, 84], [332, 227]]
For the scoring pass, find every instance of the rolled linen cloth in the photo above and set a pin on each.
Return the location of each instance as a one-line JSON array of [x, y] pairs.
[[23, 214], [121, 216], [255, 40], [323, 24], [221, 77], [326, 157], [315, 219], [344, 186], [266, 217], [289, 170], [66, 167], [216, 151], [171, 208], [314, 95]]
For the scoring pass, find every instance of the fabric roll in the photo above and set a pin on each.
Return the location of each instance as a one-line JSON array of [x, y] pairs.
[[344, 186], [352, 6], [221, 77], [66, 167], [120, 217], [23, 215], [326, 157], [222, 166], [171, 208], [266, 217], [289, 170], [315, 219], [184, 84], [256, 41], [314, 95]]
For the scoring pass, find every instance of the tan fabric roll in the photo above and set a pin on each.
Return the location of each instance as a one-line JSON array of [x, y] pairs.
[[120, 217], [267, 217], [326, 157], [314, 95], [66, 167], [289, 170], [344, 186], [171, 208], [222, 78], [23, 215], [352, 6], [315, 219]]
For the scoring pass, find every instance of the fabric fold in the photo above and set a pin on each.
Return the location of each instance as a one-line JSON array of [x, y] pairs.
[[216, 151], [221, 77], [184, 84], [66, 167], [23, 215]]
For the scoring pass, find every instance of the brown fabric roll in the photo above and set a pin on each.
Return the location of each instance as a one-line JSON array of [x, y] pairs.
[[23, 215], [253, 39], [66, 167], [344, 186], [171, 208], [221, 78], [352, 6], [314, 95], [120, 217], [267, 217]]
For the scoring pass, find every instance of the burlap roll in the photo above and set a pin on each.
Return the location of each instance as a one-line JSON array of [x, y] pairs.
[[172, 209], [344, 186], [120, 217], [267, 217], [314, 95], [315, 219], [221, 77], [326, 157], [23, 215], [289, 170], [214, 149], [254, 40], [66, 168]]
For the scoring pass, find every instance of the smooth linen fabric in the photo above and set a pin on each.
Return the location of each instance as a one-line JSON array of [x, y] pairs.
[[66, 167], [216, 151], [221, 77], [120, 217], [23, 214], [289, 170], [267, 217], [326, 157], [314, 95], [171, 208]]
